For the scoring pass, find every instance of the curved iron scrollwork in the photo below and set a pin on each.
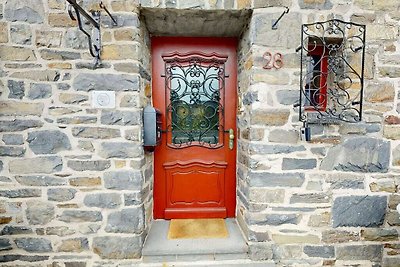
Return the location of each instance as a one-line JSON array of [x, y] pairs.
[[195, 95], [332, 71]]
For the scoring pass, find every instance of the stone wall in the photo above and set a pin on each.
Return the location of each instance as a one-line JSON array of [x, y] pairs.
[[75, 181], [76, 185]]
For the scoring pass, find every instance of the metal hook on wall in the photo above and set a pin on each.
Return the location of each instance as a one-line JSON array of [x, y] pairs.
[[275, 22], [94, 39]]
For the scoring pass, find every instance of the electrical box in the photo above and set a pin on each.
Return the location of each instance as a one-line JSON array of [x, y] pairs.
[[151, 128]]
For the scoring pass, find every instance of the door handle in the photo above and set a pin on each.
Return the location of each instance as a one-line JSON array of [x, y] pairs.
[[231, 138]]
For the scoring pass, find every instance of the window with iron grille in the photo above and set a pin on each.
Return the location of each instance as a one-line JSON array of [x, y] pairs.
[[332, 72]]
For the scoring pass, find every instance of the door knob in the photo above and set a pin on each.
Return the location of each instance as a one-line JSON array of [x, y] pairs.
[[231, 138]]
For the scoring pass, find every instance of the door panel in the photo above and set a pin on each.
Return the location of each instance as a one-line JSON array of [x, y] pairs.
[[194, 85]]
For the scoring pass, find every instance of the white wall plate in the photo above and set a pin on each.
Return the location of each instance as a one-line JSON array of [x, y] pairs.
[[103, 99]]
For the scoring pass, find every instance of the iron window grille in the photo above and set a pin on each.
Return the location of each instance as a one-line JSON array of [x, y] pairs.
[[332, 72]]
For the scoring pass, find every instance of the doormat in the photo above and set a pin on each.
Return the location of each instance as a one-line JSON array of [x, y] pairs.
[[197, 228]]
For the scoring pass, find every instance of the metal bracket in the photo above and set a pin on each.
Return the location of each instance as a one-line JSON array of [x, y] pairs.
[[94, 39], [275, 22]]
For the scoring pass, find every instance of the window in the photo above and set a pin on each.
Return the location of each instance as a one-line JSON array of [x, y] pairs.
[[332, 71]]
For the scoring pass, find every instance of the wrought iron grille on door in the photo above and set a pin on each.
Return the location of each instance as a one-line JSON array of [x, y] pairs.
[[195, 86], [332, 71]]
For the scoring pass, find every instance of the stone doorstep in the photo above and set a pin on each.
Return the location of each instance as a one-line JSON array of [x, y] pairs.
[[158, 248]]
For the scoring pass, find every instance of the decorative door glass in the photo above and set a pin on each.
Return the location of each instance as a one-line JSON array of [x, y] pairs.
[[195, 97]]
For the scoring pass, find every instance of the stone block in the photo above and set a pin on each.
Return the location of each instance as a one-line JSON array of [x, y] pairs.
[[379, 92], [38, 212], [21, 34], [119, 51], [48, 164], [130, 220], [21, 193], [89, 165], [126, 35], [377, 234], [274, 219], [106, 82], [76, 245], [75, 39], [48, 54], [123, 180], [121, 117], [320, 251], [103, 200], [378, 32], [267, 179], [287, 35], [15, 53], [295, 164], [56, 4], [59, 231], [310, 198], [116, 247], [346, 156], [95, 132], [26, 258], [269, 117], [85, 181], [61, 194], [48, 142], [30, 11], [120, 150], [272, 3], [17, 125], [285, 252], [15, 108], [396, 156], [5, 244], [39, 91], [5, 220], [61, 20], [283, 136], [345, 181], [80, 216], [359, 252], [262, 195], [13, 139], [295, 239], [130, 101], [57, 111], [16, 89], [391, 132], [319, 220], [274, 149], [393, 218], [383, 186], [48, 38], [71, 98], [3, 31], [367, 211], [11, 151], [38, 75], [259, 251], [32, 244], [390, 261], [315, 4], [78, 120], [16, 230], [339, 236]]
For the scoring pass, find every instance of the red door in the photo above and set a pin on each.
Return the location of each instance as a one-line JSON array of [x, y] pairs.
[[194, 86]]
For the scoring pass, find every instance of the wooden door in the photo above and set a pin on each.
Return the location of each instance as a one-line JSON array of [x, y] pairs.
[[194, 87]]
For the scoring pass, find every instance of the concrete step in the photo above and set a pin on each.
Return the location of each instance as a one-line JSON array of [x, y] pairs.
[[159, 249]]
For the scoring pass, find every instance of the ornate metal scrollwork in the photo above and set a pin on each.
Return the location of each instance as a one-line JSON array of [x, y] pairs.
[[332, 71], [195, 99]]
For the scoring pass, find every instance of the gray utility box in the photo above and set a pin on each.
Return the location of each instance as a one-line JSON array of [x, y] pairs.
[[151, 127]]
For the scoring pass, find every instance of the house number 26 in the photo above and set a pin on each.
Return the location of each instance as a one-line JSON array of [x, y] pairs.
[[273, 60]]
